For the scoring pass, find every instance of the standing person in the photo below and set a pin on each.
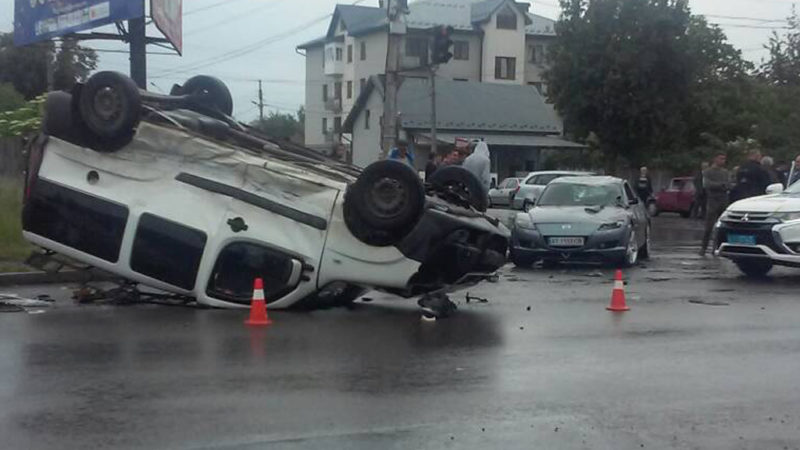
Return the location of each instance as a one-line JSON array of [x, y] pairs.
[[432, 165], [795, 172], [644, 185], [751, 179], [700, 192], [479, 164], [716, 181], [401, 154], [774, 175]]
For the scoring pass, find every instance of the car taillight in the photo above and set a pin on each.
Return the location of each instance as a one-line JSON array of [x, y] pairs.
[[35, 157]]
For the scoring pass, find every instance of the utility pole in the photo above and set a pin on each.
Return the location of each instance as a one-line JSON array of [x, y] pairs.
[[395, 11], [260, 102], [433, 110], [138, 48]]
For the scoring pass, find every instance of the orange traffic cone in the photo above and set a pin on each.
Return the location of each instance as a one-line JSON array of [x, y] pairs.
[[618, 296], [258, 307]]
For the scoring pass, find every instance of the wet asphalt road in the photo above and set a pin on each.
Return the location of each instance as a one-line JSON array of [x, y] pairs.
[[705, 359]]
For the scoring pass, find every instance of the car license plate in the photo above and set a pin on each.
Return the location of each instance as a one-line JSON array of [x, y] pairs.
[[566, 241], [745, 239]]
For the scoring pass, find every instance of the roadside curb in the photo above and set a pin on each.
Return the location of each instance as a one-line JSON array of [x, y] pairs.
[[69, 276]]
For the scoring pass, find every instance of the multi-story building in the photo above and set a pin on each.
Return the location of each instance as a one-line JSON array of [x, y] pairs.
[[495, 41]]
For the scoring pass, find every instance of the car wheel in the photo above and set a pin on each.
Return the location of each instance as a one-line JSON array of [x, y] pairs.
[[754, 268], [644, 252], [110, 106], [631, 251], [463, 183], [521, 261], [384, 203], [687, 214], [211, 92]]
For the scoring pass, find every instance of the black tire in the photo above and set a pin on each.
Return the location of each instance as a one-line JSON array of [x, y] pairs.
[[110, 105], [754, 268], [59, 117], [521, 261], [462, 182], [384, 203], [211, 93], [687, 214]]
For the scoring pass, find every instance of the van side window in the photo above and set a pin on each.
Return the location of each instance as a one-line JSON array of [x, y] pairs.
[[240, 263], [167, 251]]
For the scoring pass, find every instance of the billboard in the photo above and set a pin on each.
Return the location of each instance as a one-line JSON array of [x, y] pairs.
[[39, 20], [168, 17]]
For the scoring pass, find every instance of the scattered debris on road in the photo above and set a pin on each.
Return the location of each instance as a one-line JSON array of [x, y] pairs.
[[698, 301]]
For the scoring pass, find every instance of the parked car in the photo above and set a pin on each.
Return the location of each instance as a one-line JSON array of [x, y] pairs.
[[587, 219], [678, 197], [171, 192], [533, 185], [504, 192], [761, 232]]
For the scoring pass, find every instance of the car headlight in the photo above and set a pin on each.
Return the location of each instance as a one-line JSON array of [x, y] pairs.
[[612, 225], [787, 216], [524, 221]]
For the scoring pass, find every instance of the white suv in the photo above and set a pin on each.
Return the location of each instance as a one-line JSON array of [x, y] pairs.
[[171, 192], [760, 232]]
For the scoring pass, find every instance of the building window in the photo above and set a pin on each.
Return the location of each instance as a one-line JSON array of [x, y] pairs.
[[324, 57], [505, 68], [338, 53], [417, 47], [337, 90], [507, 19], [461, 50], [325, 92], [350, 53], [366, 119], [337, 124], [363, 50], [324, 125], [349, 89], [536, 54], [362, 83]]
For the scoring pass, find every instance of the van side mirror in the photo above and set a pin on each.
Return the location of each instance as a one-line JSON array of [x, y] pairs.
[[776, 188]]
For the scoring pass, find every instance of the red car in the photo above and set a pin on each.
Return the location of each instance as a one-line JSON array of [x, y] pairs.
[[679, 197]]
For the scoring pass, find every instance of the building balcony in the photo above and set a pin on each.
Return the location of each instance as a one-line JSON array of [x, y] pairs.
[[334, 105], [334, 59]]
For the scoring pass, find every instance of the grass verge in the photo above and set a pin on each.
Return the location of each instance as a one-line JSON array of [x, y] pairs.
[[13, 249]]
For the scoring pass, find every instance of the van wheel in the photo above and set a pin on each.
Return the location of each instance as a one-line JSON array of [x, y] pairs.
[[754, 269], [461, 182], [110, 106], [211, 92], [384, 203]]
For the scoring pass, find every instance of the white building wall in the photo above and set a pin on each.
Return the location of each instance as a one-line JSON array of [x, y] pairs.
[[464, 69], [376, 58], [504, 43], [314, 106], [367, 142]]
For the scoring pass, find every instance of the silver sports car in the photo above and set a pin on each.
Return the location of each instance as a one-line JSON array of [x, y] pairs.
[[594, 219]]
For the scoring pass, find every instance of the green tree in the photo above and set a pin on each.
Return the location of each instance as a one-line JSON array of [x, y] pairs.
[[26, 67], [282, 126], [648, 79], [10, 98]]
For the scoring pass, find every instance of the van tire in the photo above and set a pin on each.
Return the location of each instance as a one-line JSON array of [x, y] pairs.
[[384, 203], [211, 92], [110, 106], [462, 182]]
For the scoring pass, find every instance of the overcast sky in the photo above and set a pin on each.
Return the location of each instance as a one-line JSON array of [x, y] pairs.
[[213, 29]]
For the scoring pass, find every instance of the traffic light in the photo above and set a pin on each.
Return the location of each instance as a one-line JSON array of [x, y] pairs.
[[441, 45]]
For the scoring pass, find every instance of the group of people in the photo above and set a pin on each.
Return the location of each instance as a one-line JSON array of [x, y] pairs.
[[716, 187], [474, 158]]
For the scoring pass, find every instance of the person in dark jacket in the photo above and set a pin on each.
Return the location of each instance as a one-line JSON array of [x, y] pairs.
[[751, 179], [794, 174], [433, 163], [644, 185], [775, 176], [700, 193]]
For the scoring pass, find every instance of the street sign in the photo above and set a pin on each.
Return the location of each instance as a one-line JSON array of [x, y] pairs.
[[39, 20], [168, 17]]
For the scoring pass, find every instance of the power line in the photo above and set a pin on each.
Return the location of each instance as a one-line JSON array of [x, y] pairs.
[[205, 8], [751, 19], [249, 48], [234, 17]]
